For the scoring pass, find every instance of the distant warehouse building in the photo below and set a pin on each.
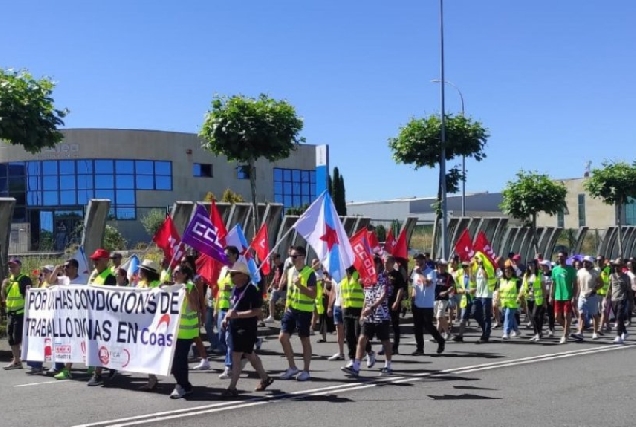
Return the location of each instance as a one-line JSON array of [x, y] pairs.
[[137, 170], [477, 205]]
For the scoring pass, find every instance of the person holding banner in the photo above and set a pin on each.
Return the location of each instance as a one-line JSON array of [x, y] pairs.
[[242, 321], [188, 330], [102, 275], [149, 279]]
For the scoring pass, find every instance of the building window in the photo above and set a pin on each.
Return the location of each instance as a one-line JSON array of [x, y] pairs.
[[630, 212], [581, 205], [294, 187], [560, 220], [42, 185], [202, 170], [243, 172]]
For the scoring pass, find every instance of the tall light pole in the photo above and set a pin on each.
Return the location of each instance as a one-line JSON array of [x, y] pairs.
[[461, 97], [442, 160]]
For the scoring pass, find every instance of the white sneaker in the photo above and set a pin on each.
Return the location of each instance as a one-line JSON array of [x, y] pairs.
[[505, 337], [550, 333], [349, 364], [618, 340], [371, 360], [226, 374], [303, 376], [178, 392], [204, 365], [535, 338], [270, 319], [594, 336], [624, 336], [514, 334], [336, 356], [563, 340], [289, 374]]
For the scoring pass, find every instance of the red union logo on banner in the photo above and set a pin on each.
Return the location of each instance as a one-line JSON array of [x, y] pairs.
[[364, 262]]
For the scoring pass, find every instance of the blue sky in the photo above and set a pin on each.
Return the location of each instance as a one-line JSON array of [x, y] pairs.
[[552, 80]]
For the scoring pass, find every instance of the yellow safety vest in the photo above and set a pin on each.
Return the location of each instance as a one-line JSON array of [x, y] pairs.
[[165, 276], [471, 285], [605, 277], [145, 284], [537, 289], [100, 278], [223, 296], [320, 307], [295, 299], [351, 292], [189, 322], [15, 300], [508, 293]]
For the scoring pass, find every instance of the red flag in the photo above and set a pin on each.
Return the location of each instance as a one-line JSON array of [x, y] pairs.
[[401, 249], [483, 245], [208, 267], [260, 244], [363, 258], [167, 238], [372, 238], [389, 244], [464, 246]]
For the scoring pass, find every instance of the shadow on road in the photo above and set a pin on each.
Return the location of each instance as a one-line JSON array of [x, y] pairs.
[[465, 396]]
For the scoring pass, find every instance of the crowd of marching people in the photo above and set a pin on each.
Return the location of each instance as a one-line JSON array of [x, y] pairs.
[[583, 295]]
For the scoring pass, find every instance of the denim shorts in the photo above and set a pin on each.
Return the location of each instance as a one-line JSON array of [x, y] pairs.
[[338, 317], [588, 305]]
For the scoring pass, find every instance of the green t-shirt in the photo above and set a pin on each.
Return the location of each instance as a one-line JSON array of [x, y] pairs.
[[563, 282]]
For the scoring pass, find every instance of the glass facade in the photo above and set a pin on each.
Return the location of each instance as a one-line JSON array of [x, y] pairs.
[[294, 187], [50, 193], [630, 212], [581, 209]]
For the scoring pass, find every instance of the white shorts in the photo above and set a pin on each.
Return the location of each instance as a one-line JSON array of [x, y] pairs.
[[440, 308]]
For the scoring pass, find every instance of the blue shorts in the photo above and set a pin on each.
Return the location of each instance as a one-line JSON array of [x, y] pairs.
[[588, 306], [296, 321], [338, 317]]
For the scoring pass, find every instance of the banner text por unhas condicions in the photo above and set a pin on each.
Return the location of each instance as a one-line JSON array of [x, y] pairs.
[[129, 302]]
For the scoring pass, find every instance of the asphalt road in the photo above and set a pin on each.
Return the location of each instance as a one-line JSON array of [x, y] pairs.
[[492, 384]]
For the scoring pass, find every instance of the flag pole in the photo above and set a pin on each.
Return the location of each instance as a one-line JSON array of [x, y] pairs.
[[273, 249]]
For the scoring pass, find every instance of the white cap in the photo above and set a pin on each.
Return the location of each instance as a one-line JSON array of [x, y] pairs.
[[546, 262], [442, 261], [588, 258]]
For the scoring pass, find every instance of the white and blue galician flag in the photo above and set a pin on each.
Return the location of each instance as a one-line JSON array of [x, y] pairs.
[[132, 267], [236, 237], [321, 227]]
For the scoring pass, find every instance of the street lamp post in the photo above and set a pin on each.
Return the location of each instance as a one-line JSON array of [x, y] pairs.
[[442, 161], [463, 110]]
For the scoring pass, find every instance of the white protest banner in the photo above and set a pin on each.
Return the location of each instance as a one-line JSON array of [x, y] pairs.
[[127, 329]]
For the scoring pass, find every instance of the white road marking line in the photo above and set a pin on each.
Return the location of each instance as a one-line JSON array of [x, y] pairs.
[[225, 406], [41, 383]]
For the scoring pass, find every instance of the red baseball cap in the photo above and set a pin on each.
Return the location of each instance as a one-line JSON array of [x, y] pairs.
[[517, 257], [100, 254]]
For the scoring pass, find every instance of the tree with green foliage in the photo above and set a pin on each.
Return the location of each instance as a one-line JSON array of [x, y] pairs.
[[28, 116], [296, 210], [380, 232], [153, 220], [614, 184], [419, 143], [247, 129], [530, 194], [231, 197], [337, 192]]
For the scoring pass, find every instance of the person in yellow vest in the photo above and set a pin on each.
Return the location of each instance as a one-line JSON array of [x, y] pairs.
[[533, 289], [17, 286], [149, 279], [188, 330], [242, 321], [301, 294], [466, 287], [508, 300], [602, 267], [352, 302], [166, 276], [222, 306], [101, 276]]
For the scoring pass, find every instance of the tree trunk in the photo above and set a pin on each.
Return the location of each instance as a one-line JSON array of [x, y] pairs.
[[619, 221], [535, 239], [257, 224]]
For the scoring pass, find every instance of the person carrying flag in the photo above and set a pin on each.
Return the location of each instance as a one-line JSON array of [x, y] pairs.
[[301, 295]]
